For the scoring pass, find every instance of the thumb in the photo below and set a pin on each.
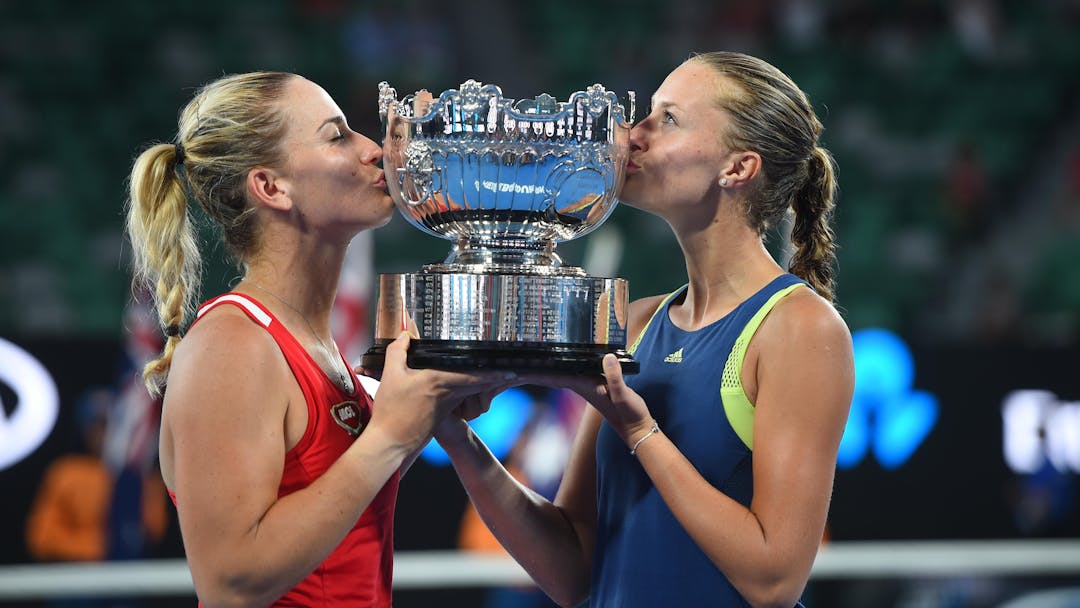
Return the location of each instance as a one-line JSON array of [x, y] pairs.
[[397, 349], [613, 377]]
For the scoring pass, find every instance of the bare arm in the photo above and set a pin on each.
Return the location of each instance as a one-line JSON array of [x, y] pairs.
[[553, 541], [369, 381], [231, 411], [802, 371]]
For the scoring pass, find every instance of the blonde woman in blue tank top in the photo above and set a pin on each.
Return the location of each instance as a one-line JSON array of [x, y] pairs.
[[705, 479]]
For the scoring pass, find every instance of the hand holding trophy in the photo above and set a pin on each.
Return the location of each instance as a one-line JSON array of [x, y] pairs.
[[505, 182]]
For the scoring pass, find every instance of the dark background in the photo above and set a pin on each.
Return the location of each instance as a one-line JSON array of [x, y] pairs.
[[955, 124]]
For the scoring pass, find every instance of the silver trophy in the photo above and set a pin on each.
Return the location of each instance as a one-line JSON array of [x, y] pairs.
[[505, 182]]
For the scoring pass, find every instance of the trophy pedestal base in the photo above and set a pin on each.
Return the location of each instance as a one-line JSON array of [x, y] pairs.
[[460, 355], [469, 321]]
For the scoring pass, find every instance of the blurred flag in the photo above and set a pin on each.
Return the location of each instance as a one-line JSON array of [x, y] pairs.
[[351, 324], [131, 440], [133, 426]]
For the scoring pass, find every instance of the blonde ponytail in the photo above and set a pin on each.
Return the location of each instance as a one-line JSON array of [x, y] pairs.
[[167, 262], [232, 125]]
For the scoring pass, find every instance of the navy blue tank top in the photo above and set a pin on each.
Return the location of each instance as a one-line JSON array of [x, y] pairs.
[[644, 558]]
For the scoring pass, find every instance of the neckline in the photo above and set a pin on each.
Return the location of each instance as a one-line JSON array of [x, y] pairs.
[[287, 332], [680, 295]]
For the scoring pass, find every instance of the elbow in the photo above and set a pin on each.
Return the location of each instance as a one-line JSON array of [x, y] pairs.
[[774, 581], [571, 600], [774, 600], [779, 593], [225, 598], [569, 592], [222, 591], [228, 599]]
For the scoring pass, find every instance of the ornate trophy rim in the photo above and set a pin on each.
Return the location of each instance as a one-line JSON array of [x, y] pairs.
[[473, 95], [434, 144]]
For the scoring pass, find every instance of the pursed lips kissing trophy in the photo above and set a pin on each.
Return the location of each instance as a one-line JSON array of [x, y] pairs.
[[505, 182]]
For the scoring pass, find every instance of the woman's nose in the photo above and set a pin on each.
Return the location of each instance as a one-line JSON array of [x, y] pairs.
[[371, 153], [638, 137]]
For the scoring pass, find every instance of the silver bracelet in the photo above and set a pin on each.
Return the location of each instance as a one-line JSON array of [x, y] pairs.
[[654, 430]]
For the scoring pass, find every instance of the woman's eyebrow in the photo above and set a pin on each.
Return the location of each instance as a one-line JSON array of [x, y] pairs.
[[336, 120]]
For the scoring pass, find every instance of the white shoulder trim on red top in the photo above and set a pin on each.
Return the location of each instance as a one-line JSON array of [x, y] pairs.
[[248, 305]]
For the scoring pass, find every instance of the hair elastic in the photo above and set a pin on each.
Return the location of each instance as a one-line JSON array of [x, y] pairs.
[[178, 148], [172, 330]]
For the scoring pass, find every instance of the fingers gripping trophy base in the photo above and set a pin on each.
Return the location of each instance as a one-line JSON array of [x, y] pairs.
[[572, 359]]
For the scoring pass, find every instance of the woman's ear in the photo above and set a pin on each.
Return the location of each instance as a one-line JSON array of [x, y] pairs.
[[269, 188], [741, 169]]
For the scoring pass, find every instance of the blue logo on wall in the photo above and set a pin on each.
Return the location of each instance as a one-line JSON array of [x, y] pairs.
[[887, 417]]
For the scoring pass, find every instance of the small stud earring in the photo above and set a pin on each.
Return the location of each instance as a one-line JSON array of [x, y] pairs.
[[723, 181]]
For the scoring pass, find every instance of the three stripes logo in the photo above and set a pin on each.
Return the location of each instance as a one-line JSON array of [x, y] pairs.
[[675, 357]]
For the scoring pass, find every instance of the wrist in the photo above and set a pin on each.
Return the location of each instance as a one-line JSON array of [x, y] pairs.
[[452, 432], [636, 439]]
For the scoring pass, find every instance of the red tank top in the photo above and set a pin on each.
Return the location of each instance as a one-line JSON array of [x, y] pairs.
[[359, 571]]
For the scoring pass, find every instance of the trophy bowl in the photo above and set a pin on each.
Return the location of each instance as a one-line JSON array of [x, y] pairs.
[[505, 182]]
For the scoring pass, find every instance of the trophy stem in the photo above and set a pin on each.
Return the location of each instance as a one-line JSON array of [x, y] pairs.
[[491, 253]]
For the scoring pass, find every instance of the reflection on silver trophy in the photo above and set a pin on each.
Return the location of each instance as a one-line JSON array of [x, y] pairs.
[[505, 182]]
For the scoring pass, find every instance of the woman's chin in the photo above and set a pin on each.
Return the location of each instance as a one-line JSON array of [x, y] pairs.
[[630, 197]]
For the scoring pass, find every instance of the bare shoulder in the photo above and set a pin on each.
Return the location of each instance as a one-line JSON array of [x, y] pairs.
[[804, 369], [226, 399], [805, 319], [224, 351], [640, 312], [226, 331]]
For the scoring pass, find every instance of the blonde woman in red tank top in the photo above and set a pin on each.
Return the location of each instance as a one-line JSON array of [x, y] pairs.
[[284, 470]]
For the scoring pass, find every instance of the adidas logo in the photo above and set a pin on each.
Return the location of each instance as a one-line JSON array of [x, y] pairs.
[[675, 357]]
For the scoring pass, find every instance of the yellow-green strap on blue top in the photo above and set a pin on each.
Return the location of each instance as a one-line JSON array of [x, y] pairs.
[[737, 406], [663, 306]]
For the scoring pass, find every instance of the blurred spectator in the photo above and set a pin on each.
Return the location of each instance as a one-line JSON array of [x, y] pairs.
[[1043, 502], [853, 22], [801, 24], [1074, 175], [67, 521], [73, 515], [403, 39], [966, 194], [321, 9], [739, 26], [999, 318], [977, 25]]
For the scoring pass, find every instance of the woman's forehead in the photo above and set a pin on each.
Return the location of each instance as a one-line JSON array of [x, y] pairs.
[[697, 90], [308, 106], [690, 84]]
